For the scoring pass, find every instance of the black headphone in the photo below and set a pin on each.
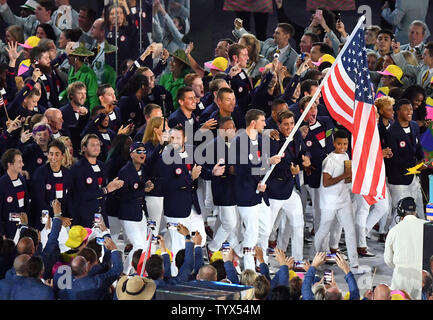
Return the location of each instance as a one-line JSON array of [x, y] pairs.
[[401, 212]]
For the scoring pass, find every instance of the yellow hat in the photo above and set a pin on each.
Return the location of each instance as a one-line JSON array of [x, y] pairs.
[[217, 255], [170, 254], [30, 42], [325, 58], [218, 64], [393, 70], [77, 235]]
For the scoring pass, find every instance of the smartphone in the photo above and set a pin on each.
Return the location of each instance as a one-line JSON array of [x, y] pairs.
[[338, 16], [45, 216], [157, 53], [303, 56], [327, 277], [299, 265], [155, 239], [319, 13], [97, 219], [151, 224], [130, 121], [225, 248], [14, 216], [100, 241], [249, 250], [172, 225], [193, 233]]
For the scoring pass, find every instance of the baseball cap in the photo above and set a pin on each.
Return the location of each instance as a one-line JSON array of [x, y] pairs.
[[77, 235], [408, 204], [325, 58], [135, 145], [30, 4], [218, 64], [30, 42], [392, 70], [135, 288]]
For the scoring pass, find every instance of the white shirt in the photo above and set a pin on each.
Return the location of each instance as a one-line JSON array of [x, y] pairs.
[[337, 195]]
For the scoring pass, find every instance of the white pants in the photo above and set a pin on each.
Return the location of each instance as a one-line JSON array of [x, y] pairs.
[[205, 199], [155, 210], [137, 233], [399, 192], [367, 216], [115, 228], [229, 218], [315, 203], [345, 218], [257, 221], [194, 222], [291, 224]]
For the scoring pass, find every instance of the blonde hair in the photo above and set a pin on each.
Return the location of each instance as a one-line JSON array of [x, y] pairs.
[[149, 133], [251, 41], [16, 32], [381, 102], [410, 58], [68, 159], [319, 291], [248, 277]]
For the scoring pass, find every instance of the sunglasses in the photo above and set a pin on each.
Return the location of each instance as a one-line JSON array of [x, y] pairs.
[[140, 151]]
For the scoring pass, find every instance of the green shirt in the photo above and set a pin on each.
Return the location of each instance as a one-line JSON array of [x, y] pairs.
[[168, 82], [86, 75]]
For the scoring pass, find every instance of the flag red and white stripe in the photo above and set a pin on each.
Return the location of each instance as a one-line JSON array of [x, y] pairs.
[[348, 96]]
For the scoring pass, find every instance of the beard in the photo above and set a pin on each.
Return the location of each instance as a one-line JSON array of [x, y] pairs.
[[45, 70]]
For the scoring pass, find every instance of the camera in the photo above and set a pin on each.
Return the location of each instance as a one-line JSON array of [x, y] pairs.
[[97, 219], [151, 224], [155, 239], [225, 248], [276, 55], [299, 265]]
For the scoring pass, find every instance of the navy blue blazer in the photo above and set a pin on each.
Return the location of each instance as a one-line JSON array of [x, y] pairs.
[[31, 289], [156, 96], [242, 87], [115, 119], [205, 115], [271, 124], [44, 188], [178, 117], [15, 107], [112, 167], [178, 188], [12, 199], [281, 181], [237, 116], [407, 152], [131, 108], [131, 195], [93, 287], [73, 127], [7, 284], [223, 187], [248, 156], [33, 156], [86, 192], [318, 153], [153, 155]]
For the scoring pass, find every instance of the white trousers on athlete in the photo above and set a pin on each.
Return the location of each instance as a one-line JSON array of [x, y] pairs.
[[367, 216], [291, 224], [257, 222], [137, 233], [227, 230], [399, 192], [345, 218], [194, 222], [205, 199], [155, 210], [315, 204]]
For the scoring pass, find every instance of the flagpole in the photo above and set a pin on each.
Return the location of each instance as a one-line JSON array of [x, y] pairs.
[[310, 104]]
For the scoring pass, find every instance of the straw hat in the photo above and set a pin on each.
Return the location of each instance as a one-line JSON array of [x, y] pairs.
[[135, 288]]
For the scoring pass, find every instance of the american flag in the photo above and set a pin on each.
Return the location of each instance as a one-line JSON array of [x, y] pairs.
[[348, 95]]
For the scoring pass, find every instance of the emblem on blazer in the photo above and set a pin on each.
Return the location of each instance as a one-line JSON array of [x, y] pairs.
[[309, 143], [402, 144], [89, 180], [48, 186], [9, 199], [135, 185], [240, 89], [250, 156], [39, 160], [122, 38], [178, 171], [144, 14], [132, 114]]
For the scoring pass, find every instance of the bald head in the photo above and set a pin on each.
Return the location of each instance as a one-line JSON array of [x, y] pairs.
[[207, 273], [26, 246], [55, 119], [333, 294], [97, 30], [20, 263], [382, 292], [79, 266]]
